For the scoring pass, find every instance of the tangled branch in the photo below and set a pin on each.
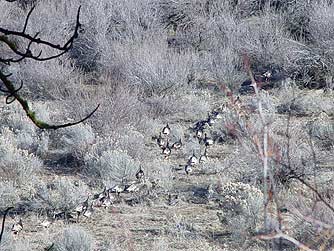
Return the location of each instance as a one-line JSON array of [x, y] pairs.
[[32, 40], [280, 235], [11, 91]]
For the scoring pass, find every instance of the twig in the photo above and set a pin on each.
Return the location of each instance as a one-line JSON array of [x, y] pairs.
[[264, 148]]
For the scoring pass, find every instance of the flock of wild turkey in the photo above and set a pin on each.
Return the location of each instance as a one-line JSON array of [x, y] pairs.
[[109, 196], [104, 199], [200, 131]]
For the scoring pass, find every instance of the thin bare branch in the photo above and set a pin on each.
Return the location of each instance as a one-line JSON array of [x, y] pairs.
[[27, 19], [286, 237], [262, 148]]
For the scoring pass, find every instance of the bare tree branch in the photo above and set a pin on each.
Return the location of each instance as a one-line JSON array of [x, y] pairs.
[[12, 92], [35, 40], [3, 221]]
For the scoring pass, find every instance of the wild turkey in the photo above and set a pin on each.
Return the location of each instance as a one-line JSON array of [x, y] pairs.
[[17, 227], [166, 130], [199, 133], [207, 140], [204, 157], [81, 208], [101, 195], [188, 169], [59, 215], [217, 115], [89, 211], [266, 80], [161, 141], [167, 150], [118, 189], [133, 187], [177, 145], [101, 199], [192, 161], [211, 121], [47, 222], [140, 174]]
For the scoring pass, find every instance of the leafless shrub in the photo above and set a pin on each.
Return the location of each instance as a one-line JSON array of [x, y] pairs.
[[8, 195], [133, 142], [26, 4], [243, 169], [321, 29], [24, 134], [10, 18], [122, 108], [61, 195], [162, 174], [184, 107], [53, 80], [221, 64], [18, 166], [305, 219], [180, 14], [266, 42], [161, 73], [111, 167], [297, 16]]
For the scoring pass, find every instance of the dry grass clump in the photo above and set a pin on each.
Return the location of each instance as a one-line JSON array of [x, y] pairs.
[[321, 21], [8, 242], [243, 166], [8, 195], [303, 103], [75, 140], [18, 166], [111, 167], [182, 229], [323, 132], [74, 239], [61, 195], [242, 206]]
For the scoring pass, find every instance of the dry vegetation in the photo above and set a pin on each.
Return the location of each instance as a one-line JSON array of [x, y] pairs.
[[268, 180]]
